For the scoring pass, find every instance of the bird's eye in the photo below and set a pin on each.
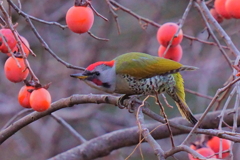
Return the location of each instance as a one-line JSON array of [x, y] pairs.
[[97, 73]]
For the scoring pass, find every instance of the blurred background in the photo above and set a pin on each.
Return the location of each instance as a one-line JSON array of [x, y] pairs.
[[45, 137]]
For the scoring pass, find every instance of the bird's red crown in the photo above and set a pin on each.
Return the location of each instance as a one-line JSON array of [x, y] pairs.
[[107, 63]]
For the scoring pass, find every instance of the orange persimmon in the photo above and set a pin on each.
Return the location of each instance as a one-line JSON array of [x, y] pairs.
[[40, 100], [79, 19], [166, 32], [15, 69], [24, 96], [9, 39], [173, 53]]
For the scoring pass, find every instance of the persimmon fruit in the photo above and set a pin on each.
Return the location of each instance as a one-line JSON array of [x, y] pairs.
[[214, 144], [206, 152], [9, 39], [13, 72], [221, 8], [233, 8], [24, 96], [173, 53], [40, 100], [166, 32], [79, 19]]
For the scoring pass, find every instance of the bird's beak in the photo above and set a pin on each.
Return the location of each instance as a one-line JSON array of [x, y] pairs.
[[79, 76]]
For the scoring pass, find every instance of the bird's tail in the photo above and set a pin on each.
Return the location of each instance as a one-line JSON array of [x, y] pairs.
[[187, 68], [178, 96], [183, 68]]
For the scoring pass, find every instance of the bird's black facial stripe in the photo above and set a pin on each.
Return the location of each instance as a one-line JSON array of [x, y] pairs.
[[88, 73], [106, 85]]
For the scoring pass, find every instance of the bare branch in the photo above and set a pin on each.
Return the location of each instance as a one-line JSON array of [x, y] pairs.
[[148, 21], [165, 118], [204, 15], [219, 91], [96, 12], [198, 94], [69, 128], [98, 38], [148, 137], [127, 137], [112, 8], [20, 12], [44, 44], [15, 117], [217, 27]]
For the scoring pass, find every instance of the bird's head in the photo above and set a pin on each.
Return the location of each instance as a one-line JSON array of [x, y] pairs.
[[99, 75]]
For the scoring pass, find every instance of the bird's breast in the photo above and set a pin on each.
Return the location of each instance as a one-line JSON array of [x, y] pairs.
[[127, 84]]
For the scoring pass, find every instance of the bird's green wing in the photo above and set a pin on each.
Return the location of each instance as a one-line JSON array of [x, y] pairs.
[[141, 65]]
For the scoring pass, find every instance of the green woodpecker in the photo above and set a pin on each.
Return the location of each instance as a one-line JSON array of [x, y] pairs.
[[140, 74]]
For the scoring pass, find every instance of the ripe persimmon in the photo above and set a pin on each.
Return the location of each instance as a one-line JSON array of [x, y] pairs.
[[233, 8], [24, 96], [166, 32], [216, 15], [79, 19], [173, 53], [214, 144], [25, 46], [40, 100], [13, 72], [206, 152], [9, 39], [221, 8]]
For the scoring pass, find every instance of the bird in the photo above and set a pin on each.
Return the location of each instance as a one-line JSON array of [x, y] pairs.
[[138, 73]]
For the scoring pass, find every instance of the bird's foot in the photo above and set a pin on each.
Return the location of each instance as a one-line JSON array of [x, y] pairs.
[[121, 99], [130, 105]]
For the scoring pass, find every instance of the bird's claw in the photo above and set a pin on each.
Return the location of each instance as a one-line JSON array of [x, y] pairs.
[[120, 101], [130, 104]]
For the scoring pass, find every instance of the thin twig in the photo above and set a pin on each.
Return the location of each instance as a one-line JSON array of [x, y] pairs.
[[16, 116], [203, 41], [69, 128], [44, 44], [217, 27], [148, 21], [165, 100], [17, 37], [20, 12], [96, 12], [115, 16], [222, 116], [186, 149], [140, 121], [223, 111], [198, 94], [204, 16], [219, 91], [165, 118], [146, 134], [181, 22], [141, 142], [98, 38]]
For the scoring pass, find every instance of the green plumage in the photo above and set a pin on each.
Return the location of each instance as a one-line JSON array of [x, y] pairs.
[[145, 74], [179, 86], [141, 65]]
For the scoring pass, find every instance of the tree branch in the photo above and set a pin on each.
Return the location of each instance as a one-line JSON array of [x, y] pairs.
[[120, 138], [130, 136]]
